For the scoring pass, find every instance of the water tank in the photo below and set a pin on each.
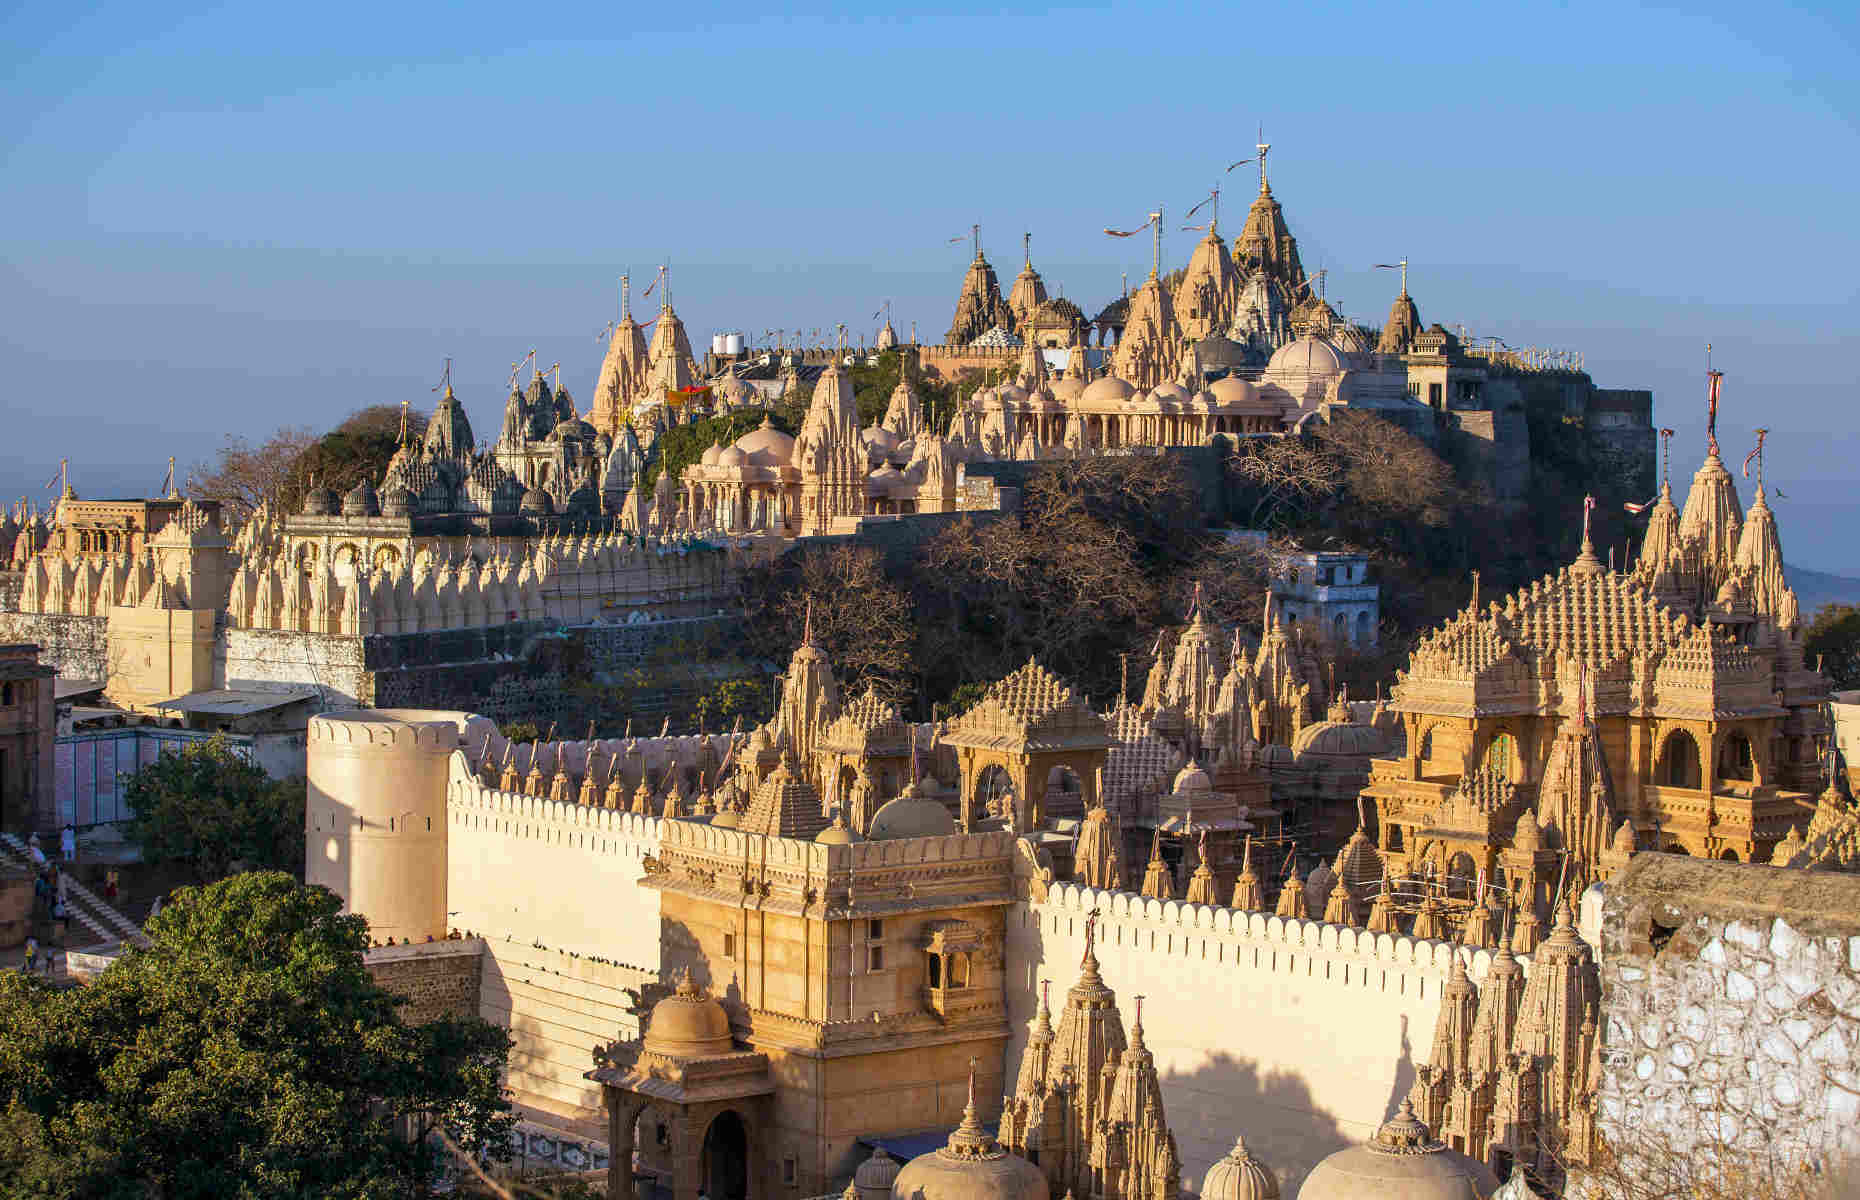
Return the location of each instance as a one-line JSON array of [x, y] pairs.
[[375, 814], [733, 343], [719, 343]]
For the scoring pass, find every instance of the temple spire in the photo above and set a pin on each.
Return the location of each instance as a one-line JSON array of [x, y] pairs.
[[1263, 147]]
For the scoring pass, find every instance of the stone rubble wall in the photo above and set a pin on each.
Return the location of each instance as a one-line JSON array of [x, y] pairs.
[[439, 978], [77, 646], [1732, 1001], [1299, 1035]]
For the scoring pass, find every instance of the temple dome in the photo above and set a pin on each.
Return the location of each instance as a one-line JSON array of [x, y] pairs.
[[1192, 778], [911, 815], [1235, 392], [837, 834], [1239, 1176], [1107, 390], [535, 500], [877, 1173], [710, 455], [1339, 739], [361, 501], [322, 502], [766, 446], [1308, 356], [688, 1023], [1401, 1162], [731, 456], [973, 1166]]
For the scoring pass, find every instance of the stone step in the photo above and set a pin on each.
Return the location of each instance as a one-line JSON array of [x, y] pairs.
[[84, 905]]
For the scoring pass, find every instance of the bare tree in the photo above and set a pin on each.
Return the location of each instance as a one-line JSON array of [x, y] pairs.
[[244, 475], [1388, 470], [1291, 475]]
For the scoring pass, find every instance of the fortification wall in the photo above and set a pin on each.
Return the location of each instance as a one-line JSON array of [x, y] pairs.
[[1301, 1036], [77, 646], [552, 889]]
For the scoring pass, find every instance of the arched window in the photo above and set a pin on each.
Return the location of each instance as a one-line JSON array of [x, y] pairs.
[[1735, 760], [1500, 753], [959, 970], [1679, 762], [933, 969]]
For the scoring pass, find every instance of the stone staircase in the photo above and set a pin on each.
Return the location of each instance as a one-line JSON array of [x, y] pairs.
[[85, 906]]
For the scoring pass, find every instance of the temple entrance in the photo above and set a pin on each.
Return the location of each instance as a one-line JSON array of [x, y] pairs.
[[726, 1158]]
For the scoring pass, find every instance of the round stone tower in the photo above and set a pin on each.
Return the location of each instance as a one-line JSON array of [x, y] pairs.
[[376, 815]]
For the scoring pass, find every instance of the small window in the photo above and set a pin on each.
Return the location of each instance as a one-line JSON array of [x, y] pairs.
[[663, 1134], [788, 1170], [874, 958], [729, 945], [875, 929]]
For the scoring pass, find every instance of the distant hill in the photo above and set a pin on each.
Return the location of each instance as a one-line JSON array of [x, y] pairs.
[[1816, 589]]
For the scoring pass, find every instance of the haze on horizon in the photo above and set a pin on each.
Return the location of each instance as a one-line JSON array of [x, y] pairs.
[[222, 219]]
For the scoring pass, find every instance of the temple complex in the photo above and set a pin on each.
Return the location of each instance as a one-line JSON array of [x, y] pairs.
[[1598, 712]]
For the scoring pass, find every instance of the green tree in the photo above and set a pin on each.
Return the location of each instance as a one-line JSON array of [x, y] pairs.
[[1833, 642], [749, 699], [207, 807], [246, 1052]]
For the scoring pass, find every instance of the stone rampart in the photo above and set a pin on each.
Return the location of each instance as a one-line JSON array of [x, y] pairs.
[[1300, 1035], [439, 978], [1732, 1001]]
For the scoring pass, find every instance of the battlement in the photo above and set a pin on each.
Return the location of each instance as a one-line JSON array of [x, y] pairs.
[[1124, 917], [403, 728]]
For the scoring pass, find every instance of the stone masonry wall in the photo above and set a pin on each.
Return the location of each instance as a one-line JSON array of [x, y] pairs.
[[440, 978], [1732, 1001], [75, 645]]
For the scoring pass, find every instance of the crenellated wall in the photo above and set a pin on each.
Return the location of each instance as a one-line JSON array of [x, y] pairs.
[[1299, 1035], [552, 889]]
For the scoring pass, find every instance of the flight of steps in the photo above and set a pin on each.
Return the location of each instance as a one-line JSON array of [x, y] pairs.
[[85, 906]]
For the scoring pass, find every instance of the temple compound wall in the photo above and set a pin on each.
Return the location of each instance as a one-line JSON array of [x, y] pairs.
[[551, 888], [1303, 1036], [1716, 974]]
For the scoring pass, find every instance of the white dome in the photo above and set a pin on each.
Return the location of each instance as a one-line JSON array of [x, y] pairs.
[[1308, 356], [1108, 390], [1170, 393], [732, 457], [1235, 392], [766, 447], [711, 454]]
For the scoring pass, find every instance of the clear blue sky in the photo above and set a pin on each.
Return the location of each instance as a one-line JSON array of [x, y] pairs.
[[223, 219]]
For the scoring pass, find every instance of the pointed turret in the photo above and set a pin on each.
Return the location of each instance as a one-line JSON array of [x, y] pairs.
[[1575, 802], [979, 306], [1248, 895], [1095, 863], [1158, 882], [622, 381], [1760, 557]]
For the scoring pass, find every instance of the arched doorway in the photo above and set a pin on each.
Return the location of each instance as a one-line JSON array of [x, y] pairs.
[[1735, 760], [726, 1158], [1679, 761]]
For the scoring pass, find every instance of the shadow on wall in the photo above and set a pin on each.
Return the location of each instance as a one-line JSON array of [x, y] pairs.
[[1229, 1097], [1405, 1074]]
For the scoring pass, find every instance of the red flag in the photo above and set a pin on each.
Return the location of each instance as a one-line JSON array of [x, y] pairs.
[[1132, 232], [1637, 509], [1761, 434], [1716, 380]]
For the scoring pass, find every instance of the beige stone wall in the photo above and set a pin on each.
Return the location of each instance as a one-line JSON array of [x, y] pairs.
[[157, 654], [438, 978], [1299, 1035], [552, 888], [558, 1008]]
